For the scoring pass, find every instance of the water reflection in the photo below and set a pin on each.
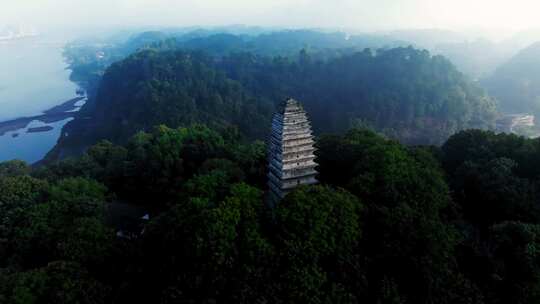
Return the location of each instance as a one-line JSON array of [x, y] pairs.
[[30, 147], [33, 78]]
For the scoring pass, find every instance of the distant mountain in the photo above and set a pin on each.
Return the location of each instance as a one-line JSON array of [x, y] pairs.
[[272, 43], [522, 39], [427, 38], [516, 84], [475, 53], [472, 53], [476, 58]]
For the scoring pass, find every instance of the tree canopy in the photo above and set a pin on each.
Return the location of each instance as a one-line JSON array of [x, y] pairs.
[[180, 215], [403, 92]]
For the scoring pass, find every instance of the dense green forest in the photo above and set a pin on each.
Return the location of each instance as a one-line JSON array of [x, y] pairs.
[[387, 224], [229, 81], [89, 58], [156, 192]]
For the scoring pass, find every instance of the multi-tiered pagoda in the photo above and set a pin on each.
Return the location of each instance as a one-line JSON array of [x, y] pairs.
[[291, 151]]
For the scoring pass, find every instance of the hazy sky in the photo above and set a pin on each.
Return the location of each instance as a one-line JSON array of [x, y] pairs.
[[359, 14]]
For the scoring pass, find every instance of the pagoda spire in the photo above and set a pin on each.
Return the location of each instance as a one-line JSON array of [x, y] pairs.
[[291, 151]]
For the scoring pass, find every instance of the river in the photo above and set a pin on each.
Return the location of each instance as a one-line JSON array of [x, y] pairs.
[[33, 78]]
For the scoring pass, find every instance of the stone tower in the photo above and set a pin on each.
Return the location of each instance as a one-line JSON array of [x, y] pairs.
[[291, 151]]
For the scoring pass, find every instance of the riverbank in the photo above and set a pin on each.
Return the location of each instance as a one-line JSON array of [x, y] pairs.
[[61, 112]]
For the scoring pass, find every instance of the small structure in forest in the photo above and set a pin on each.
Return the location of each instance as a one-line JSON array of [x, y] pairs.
[[291, 151], [512, 122]]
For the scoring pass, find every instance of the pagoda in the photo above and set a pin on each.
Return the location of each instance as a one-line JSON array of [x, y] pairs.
[[291, 151]]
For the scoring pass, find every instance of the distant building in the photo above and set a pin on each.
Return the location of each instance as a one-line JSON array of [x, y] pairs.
[[508, 123], [291, 151]]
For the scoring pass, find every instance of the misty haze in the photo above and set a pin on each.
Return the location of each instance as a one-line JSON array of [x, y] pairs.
[[307, 151]]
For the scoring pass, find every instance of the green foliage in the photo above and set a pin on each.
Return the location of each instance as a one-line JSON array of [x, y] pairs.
[[89, 243], [213, 186], [217, 246], [172, 88], [60, 282], [420, 99], [17, 195], [153, 167], [491, 193], [406, 197], [495, 181], [517, 262], [493, 176], [81, 197], [388, 224], [72, 207], [319, 221], [224, 81], [14, 168], [318, 231], [19, 192], [158, 163]]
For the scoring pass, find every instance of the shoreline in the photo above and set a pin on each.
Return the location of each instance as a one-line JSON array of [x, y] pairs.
[[52, 115]]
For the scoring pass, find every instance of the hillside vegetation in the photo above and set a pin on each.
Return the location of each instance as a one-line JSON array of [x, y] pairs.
[[404, 93], [387, 224]]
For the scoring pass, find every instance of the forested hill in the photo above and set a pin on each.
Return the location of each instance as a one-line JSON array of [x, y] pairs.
[[89, 58], [388, 224], [404, 93], [516, 84], [281, 43]]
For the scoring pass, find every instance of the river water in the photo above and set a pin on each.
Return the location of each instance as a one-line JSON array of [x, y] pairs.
[[33, 78]]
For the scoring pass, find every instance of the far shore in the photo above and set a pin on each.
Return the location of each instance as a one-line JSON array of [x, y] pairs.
[[52, 115]]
